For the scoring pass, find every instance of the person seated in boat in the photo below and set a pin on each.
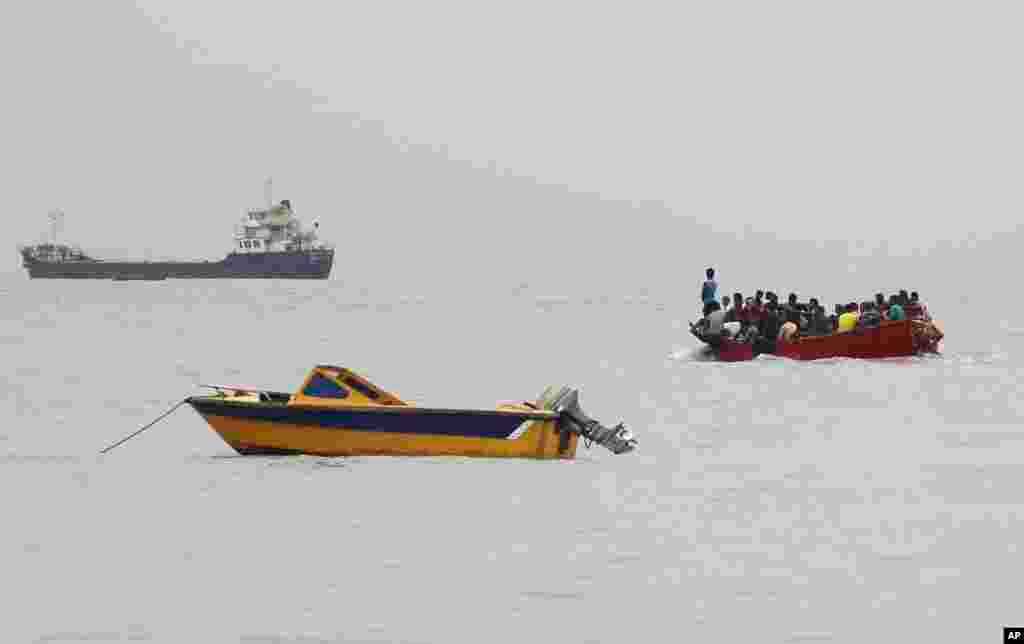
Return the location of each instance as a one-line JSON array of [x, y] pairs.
[[895, 311], [869, 315], [771, 321], [709, 290], [798, 307], [834, 318], [904, 298], [736, 313], [806, 321], [817, 321], [790, 329], [791, 303], [826, 322], [750, 313], [848, 318], [925, 315], [914, 310], [732, 329], [880, 304], [748, 334], [754, 310]]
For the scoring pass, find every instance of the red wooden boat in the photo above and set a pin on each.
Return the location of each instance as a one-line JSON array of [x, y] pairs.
[[890, 339]]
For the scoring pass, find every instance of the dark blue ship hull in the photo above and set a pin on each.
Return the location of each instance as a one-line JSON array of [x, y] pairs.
[[309, 264]]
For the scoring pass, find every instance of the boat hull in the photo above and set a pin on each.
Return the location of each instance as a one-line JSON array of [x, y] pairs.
[[890, 339], [285, 265], [275, 428]]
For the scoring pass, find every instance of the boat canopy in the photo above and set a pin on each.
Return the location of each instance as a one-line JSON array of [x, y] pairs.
[[333, 385]]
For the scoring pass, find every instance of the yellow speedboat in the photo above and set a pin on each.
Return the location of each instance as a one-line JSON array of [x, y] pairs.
[[337, 412]]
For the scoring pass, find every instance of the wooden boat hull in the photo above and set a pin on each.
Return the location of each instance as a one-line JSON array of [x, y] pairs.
[[278, 428], [891, 339]]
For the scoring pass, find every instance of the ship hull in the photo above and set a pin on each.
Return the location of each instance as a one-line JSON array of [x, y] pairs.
[[286, 265]]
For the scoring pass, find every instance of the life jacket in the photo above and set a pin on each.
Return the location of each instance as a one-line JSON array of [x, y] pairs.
[[847, 322]]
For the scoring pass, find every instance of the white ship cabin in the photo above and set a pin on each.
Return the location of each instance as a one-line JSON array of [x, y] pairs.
[[274, 230]]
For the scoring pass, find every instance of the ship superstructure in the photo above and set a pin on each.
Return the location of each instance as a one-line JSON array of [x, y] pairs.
[[275, 229]]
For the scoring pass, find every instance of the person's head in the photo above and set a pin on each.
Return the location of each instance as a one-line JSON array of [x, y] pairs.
[[737, 299], [851, 307], [865, 307], [759, 295], [904, 297], [792, 298], [710, 273], [894, 299], [879, 299], [914, 297], [840, 309], [749, 301], [814, 303], [725, 301]]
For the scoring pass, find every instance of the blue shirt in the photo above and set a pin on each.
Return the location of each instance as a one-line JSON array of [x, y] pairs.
[[708, 291], [895, 312]]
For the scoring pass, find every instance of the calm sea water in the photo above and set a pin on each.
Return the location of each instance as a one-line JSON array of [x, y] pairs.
[[773, 501]]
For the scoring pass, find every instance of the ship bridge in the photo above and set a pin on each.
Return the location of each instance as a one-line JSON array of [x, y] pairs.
[[274, 229]]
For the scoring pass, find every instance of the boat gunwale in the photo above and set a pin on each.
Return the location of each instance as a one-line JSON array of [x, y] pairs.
[[216, 401]]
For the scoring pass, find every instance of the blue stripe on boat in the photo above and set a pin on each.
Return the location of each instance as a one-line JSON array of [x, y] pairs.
[[476, 424]]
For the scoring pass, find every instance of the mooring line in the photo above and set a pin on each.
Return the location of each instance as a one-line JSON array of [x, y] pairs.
[[136, 433]]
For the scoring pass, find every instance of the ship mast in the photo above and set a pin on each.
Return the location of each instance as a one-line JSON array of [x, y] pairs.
[[56, 218]]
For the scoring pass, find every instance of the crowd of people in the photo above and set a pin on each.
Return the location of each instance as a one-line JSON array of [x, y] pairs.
[[763, 317]]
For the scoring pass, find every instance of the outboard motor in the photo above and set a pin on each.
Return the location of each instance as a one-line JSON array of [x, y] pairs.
[[566, 402]]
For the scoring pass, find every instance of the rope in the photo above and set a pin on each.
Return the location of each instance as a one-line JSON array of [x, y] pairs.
[[136, 433]]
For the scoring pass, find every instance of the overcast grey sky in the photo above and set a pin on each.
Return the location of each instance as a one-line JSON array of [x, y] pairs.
[[153, 123]]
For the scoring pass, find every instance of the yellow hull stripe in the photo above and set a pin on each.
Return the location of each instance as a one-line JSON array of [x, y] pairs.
[[540, 439]]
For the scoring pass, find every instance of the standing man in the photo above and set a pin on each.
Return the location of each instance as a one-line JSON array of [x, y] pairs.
[[709, 291]]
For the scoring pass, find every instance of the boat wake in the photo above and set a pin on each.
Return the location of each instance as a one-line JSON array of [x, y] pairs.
[[707, 354], [693, 354], [979, 357]]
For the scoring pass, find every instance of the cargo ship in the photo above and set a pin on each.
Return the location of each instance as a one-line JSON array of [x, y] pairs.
[[269, 243]]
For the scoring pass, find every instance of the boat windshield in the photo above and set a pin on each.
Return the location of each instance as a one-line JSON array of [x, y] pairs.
[[321, 387]]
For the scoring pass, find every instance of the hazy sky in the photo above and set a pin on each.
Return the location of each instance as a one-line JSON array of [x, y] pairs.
[[864, 123]]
